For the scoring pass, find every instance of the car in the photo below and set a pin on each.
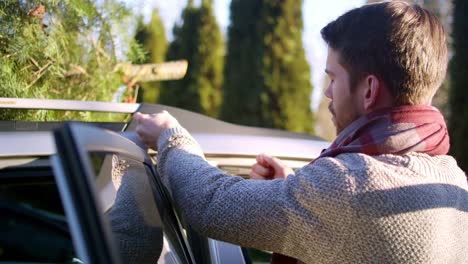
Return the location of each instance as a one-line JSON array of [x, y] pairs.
[[88, 192]]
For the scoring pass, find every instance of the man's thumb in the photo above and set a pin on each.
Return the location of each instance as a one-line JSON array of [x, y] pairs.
[[137, 116], [275, 163]]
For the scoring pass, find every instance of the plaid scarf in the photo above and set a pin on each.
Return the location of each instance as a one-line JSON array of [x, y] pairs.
[[396, 130]]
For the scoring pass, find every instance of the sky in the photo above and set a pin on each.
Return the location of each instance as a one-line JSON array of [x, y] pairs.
[[316, 14]]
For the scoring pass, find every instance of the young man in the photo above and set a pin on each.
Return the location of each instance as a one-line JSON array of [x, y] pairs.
[[384, 192]]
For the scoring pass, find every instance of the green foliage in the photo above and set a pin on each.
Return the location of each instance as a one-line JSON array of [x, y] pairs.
[[242, 74], [266, 66], [152, 38], [286, 74], [458, 122], [442, 9], [199, 41], [67, 52], [136, 54]]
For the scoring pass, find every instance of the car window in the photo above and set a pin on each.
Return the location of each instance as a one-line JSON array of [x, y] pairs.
[[117, 198], [128, 206], [33, 225]]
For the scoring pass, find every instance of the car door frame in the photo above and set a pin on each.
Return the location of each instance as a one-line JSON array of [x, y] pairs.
[[74, 175]]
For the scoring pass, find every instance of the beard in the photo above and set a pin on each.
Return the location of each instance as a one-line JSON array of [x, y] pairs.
[[344, 118]]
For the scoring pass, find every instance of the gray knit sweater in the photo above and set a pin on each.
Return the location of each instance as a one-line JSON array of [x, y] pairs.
[[353, 208]]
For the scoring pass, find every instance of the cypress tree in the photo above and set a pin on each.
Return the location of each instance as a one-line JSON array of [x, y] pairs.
[[285, 99], [442, 11], [267, 75], [152, 38], [242, 85], [183, 93], [199, 41], [209, 60], [458, 122]]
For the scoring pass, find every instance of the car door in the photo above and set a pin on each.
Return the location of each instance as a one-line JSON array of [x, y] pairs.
[[117, 209], [82, 176]]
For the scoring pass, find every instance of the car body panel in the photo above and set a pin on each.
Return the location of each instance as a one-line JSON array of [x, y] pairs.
[[22, 143]]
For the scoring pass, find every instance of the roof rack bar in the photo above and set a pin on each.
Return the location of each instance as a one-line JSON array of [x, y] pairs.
[[69, 105]]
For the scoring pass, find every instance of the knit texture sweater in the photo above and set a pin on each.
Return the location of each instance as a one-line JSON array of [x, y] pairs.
[[352, 208]]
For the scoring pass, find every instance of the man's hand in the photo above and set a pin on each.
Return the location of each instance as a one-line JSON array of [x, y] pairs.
[[268, 168], [150, 127]]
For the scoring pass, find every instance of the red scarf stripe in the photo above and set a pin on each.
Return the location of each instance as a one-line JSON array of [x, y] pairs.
[[396, 130]]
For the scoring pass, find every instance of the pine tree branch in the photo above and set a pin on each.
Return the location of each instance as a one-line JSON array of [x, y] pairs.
[[39, 74], [41, 71], [26, 67], [35, 63]]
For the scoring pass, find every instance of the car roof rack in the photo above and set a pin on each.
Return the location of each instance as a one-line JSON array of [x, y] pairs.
[[193, 122], [64, 105], [69, 105]]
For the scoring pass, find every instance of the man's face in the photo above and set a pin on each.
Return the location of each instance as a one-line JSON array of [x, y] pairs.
[[345, 106]]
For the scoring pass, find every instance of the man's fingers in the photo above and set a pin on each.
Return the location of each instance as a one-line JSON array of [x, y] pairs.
[[150, 126], [255, 176], [137, 116], [261, 159], [141, 118], [274, 162], [140, 132], [264, 171]]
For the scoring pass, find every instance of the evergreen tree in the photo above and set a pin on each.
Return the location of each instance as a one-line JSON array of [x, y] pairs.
[[285, 99], [442, 10], [199, 41], [458, 121], [152, 37], [46, 52], [242, 83], [267, 75], [137, 52]]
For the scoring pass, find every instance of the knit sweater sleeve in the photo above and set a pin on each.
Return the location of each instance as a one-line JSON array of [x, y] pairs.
[[298, 216]]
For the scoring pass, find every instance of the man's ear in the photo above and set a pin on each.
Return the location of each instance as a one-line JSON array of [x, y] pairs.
[[372, 91]]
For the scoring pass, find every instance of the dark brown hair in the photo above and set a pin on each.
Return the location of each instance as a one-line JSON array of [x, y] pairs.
[[403, 45]]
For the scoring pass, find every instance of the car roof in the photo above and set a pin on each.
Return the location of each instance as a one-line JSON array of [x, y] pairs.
[[194, 122], [215, 136]]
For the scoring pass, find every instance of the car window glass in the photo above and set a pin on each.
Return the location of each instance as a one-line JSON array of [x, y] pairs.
[[120, 211], [33, 225], [128, 205]]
